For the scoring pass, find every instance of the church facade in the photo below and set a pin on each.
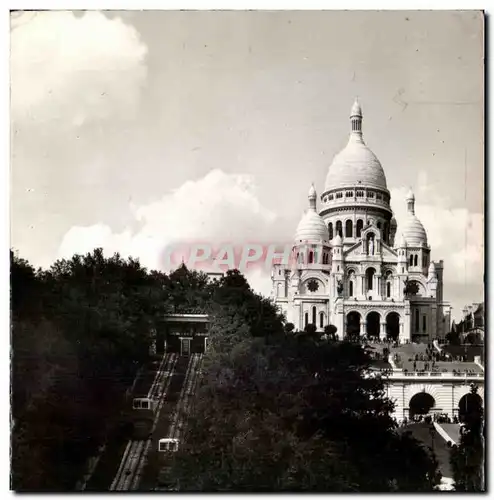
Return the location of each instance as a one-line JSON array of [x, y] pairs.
[[352, 267]]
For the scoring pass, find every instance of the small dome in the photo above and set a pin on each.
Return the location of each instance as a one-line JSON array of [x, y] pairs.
[[393, 223], [312, 227], [414, 231], [312, 191], [337, 241], [432, 269]]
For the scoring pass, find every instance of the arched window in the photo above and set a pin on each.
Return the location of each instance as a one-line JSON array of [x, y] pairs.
[[311, 257], [306, 319], [388, 289], [314, 312], [385, 233], [321, 320], [360, 226], [339, 228], [379, 225], [350, 289], [416, 320], [411, 260], [349, 229], [370, 278], [416, 260], [330, 228]]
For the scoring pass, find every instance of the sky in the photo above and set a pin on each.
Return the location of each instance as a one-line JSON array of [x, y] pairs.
[[133, 130]]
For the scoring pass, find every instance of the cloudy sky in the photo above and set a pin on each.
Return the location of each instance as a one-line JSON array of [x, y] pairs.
[[133, 130]]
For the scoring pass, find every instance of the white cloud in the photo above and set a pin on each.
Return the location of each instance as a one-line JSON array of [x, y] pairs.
[[260, 281], [74, 69], [219, 208], [455, 235], [224, 208]]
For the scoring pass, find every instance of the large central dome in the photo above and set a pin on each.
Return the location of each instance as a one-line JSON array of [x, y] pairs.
[[356, 164]]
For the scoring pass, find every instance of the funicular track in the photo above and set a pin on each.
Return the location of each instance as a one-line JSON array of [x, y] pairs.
[[173, 396]]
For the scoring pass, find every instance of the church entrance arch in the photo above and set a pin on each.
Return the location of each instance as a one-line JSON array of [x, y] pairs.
[[393, 325], [421, 404], [353, 324], [373, 324], [469, 404]]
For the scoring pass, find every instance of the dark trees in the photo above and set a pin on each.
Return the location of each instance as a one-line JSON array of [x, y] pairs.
[[80, 331], [468, 458], [291, 413]]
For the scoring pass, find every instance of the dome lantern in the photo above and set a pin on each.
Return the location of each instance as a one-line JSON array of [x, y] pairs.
[[312, 197], [410, 199], [355, 164], [356, 118]]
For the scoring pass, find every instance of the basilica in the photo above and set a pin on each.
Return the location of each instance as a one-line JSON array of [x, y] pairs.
[[352, 266]]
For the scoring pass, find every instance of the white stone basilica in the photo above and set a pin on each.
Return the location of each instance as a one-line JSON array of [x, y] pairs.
[[347, 267]]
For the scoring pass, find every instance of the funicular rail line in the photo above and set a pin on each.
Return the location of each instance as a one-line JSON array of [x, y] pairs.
[[135, 448], [184, 403], [108, 462], [178, 416]]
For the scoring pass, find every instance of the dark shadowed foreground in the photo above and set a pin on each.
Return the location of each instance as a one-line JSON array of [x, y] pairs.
[[276, 410]]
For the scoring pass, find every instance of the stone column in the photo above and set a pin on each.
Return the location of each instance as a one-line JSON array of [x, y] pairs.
[[434, 327], [382, 333], [362, 328], [297, 317], [339, 322], [402, 336]]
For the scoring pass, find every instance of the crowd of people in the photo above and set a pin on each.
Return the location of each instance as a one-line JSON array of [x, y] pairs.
[[432, 361], [440, 418]]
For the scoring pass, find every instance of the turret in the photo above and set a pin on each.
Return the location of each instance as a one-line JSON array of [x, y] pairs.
[[432, 272], [392, 231]]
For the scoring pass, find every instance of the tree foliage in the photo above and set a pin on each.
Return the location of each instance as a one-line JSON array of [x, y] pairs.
[[292, 413], [274, 411], [80, 332], [468, 458]]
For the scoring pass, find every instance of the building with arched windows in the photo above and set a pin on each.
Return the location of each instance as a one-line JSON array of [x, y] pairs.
[[349, 268]]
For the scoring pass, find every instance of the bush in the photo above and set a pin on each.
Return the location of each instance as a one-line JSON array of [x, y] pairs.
[[289, 327]]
